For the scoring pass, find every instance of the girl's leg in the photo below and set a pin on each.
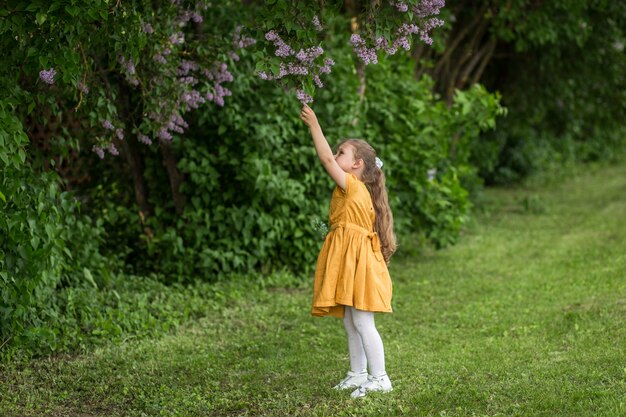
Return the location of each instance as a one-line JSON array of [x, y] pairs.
[[358, 360], [372, 344]]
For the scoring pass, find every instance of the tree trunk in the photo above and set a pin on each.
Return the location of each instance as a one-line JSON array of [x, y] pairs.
[[175, 176], [136, 164]]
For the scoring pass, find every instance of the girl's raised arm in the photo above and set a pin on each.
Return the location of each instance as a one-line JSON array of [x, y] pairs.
[[324, 153]]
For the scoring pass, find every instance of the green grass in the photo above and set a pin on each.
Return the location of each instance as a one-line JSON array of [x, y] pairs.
[[526, 316]]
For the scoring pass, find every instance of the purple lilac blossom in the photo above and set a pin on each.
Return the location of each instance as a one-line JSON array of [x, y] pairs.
[[403, 33], [296, 69], [186, 66], [193, 99], [107, 125], [239, 42], [99, 151], [147, 28], [428, 7], [112, 149], [164, 134], [160, 59], [367, 55], [119, 132], [303, 97], [144, 139], [47, 76], [189, 80], [400, 5], [242, 41], [282, 71], [177, 38], [316, 23]]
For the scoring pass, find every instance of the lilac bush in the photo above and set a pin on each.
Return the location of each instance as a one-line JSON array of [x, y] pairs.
[[300, 67], [173, 59], [414, 23], [172, 78]]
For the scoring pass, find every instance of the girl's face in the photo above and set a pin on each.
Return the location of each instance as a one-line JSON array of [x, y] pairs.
[[345, 157]]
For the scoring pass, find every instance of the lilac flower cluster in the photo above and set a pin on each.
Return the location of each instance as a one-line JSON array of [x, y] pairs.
[[47, 76], [428, 7], [282, 49], [179, 74], [400, 5], [303, 97], [189, 15], [119, 133], [177, 38], [369, 54], [144, 139], [147, 27], [240, 42], [99, 151], [298, 64], [316, 23], [110, 147], [160, 59], [174, 123], [166, 122], [427, 27], [129, 70], [218, 74]]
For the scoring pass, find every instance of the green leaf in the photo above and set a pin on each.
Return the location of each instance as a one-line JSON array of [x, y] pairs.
[[72, 10], [89, 277], [41, 18], [43, 61], [2, 197]]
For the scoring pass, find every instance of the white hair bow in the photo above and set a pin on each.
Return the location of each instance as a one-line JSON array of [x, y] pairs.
[[379, 163]]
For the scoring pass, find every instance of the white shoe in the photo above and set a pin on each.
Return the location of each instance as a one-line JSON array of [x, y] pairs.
[[373, 384], [353, 380]]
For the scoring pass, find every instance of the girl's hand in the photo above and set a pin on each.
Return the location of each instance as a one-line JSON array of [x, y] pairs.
[[308, 116]]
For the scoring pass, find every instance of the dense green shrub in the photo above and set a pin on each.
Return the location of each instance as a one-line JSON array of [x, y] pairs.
[[45, 245], [257, 192], [426, 147], [31, 247]]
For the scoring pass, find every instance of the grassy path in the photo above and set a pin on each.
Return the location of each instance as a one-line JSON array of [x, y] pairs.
[[526, 316]]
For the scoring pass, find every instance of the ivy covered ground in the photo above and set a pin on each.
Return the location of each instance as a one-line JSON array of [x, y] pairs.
[[526, 316]]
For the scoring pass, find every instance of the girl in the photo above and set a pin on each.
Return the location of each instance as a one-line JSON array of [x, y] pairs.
[[351, 276]]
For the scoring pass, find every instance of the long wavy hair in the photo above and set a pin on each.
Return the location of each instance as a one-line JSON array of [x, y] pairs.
[[374, 179]]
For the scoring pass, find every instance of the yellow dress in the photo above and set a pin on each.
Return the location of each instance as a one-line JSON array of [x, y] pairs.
[[351, 270]]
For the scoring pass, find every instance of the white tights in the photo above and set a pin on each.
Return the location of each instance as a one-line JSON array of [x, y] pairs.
[[364, 342]]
